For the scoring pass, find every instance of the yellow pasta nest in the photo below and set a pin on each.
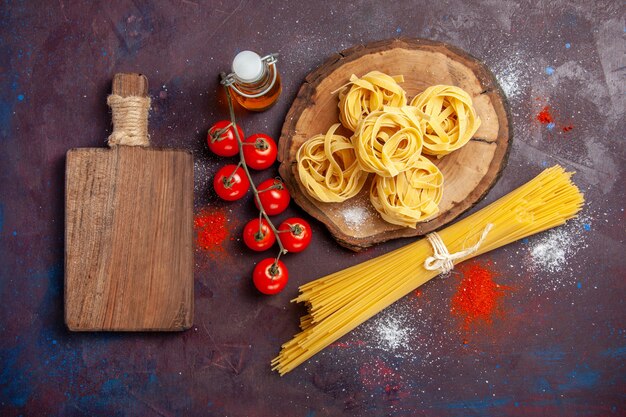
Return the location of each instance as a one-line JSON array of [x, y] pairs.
[[328, 167], [388, 141], [410, 197], [362, 96], [450, 119]]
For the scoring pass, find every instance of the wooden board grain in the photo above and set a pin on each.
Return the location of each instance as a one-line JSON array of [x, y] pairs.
[[129, 236], [469, 172]]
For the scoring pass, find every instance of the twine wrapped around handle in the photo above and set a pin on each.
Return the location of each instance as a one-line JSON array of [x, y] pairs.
[[130, 120], [442, 259]]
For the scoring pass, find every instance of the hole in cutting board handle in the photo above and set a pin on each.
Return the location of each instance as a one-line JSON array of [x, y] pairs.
[[128, 84]]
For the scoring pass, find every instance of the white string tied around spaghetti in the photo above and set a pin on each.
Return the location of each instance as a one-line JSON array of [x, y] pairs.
[[130, 120], [442, 259]]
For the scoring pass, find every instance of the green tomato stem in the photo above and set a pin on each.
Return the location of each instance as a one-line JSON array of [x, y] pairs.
[[274, 269], [228, 182], [261, 144], [217, 136]]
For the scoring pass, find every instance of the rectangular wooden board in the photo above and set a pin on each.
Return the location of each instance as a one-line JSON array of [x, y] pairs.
[[129, 239]]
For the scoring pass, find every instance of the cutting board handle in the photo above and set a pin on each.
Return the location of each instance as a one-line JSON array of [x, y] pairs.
[[130, 105]]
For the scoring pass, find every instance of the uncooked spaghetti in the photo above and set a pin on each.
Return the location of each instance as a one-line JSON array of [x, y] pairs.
[[339, 302]]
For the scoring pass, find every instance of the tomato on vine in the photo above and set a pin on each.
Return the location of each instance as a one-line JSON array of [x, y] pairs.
[[270, 276], [273, 195], [295, 234], [231, 182], [258, 236], [259, 151], [222, 140]]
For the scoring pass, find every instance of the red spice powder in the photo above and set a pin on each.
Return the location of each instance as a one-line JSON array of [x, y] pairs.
[[377, 373], [544, 116], [477, 298], [346, 345], [211, 229]]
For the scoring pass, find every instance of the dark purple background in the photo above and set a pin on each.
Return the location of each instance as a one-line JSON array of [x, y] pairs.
[[557, 346]]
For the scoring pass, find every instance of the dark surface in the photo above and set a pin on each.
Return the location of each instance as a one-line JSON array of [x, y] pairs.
[[557, 345]]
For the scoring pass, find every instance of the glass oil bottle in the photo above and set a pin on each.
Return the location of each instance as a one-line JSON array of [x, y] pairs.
[[254, 81]]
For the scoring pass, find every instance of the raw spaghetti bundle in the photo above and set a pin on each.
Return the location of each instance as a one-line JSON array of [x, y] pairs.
[[411, 196], [451, 119], [372, 92], [328, 168], [339, 302]]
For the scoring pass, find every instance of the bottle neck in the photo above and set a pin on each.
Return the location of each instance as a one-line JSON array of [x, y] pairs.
[[259, 87]]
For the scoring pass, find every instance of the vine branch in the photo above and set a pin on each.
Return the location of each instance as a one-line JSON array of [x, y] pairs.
[[242, 163]]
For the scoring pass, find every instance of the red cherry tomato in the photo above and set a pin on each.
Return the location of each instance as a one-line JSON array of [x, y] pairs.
[[295, 234], [231, 183], [222, 140], [258, 236], [269, 276], [259, 151], [273, 195]]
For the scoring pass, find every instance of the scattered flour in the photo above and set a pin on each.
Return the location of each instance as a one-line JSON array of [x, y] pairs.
[[513, 75], [554, 250], [509, 79], [551, 253], [203, 172], [392, 333], [354, 216]]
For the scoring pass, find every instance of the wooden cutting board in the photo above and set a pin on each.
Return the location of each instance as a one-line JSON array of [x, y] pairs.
[[129, 234], [469, 173]]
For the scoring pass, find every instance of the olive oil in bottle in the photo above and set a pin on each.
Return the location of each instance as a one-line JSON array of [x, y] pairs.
[[254, 81]]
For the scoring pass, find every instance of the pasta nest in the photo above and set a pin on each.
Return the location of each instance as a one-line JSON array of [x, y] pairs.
[[450, 120], [410, 197], [367, 94], [328, 167], [388, 141]]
